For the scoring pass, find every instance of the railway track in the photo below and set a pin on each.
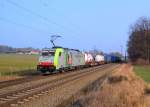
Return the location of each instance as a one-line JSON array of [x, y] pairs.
[[19, 81], [28, 79], [16, 94]]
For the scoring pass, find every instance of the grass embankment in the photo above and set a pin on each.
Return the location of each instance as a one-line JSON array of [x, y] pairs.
[[13, 64], [143, 72], [121, 89]]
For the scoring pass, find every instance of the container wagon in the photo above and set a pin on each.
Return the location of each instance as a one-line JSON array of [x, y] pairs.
[[89, 60], [107, 58], [99, 59]]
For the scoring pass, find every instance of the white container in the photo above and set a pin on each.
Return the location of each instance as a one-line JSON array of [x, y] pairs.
[[88, 57], [99, 58]]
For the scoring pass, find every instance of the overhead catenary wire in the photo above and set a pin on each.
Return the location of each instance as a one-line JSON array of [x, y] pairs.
[[38, 15], [23, 25], [45, 4]]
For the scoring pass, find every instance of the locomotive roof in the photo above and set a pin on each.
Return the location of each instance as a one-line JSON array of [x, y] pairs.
[[48, 49], [54, 48], [65, 48]]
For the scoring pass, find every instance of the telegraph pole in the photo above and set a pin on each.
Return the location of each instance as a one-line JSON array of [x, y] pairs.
[[121, 49], [125, 56], [148, 47]]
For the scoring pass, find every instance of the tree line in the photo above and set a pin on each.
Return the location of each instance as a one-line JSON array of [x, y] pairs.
[[139, 41], [9, 49]]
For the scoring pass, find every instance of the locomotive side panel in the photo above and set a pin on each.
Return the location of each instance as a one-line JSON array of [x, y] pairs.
[[77, 58]]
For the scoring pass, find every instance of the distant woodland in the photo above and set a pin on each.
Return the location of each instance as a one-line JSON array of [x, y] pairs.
[[8, 49]]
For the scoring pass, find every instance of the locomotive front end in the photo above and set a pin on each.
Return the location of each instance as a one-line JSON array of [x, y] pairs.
[[46, 61]]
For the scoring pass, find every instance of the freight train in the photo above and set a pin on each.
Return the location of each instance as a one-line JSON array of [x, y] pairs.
[[64, 59]]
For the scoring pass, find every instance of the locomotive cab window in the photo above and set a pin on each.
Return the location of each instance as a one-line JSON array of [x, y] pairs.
[[51, 53], [48, 53], [59, 53], [44, 53]]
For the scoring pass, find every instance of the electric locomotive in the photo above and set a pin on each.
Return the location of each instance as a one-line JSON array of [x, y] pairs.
[[59, 59]]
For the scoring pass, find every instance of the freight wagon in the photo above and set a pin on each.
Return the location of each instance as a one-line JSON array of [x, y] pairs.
[[107, 58], [99, 59], [112, 58], [89, 60]]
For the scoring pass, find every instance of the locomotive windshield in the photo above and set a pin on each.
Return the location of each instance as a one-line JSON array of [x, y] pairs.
[[48, 53], [47, 56]]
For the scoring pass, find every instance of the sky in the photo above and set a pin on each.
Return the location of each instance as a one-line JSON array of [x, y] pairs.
[[83, 24]]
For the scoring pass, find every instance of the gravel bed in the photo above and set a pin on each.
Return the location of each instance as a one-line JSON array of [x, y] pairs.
[[61, 93]]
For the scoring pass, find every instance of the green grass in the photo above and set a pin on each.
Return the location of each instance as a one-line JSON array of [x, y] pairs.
[[143, 72], [13, 64]]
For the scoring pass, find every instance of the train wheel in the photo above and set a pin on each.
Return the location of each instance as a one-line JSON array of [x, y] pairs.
[[61, 70]]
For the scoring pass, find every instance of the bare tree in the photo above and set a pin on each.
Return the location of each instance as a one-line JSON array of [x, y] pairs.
[[139, 41]]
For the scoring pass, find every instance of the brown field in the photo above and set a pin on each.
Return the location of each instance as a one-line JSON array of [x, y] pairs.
[[122, 89]]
